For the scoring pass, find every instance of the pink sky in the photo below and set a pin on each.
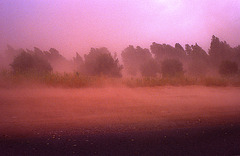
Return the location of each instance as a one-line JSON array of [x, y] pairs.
[[77, 25]]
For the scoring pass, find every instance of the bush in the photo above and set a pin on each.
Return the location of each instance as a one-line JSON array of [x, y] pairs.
[[228, 68], [26, 62], [171, 68]]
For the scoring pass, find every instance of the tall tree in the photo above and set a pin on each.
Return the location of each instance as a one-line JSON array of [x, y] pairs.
[[78, 63], [134, 58], [171, 68], [197, 60], [26, 62], [99, 61], [165, 51], [220, 51]]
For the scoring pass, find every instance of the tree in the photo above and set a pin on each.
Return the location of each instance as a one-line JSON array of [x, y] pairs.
[[26, 62], [100, 61], [197, 60], [220, 51], [228, 68], [236, 57], [149, 68], [188, 49], [57, 61], [166, 51], [78, 63], [198, 52], [9, 54], [179, 47], [171, 68], [134, 58]]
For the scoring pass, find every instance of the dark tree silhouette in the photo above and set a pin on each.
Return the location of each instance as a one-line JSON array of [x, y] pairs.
[[149, 68], [134, 58], [165, 51], [9, 54], [171, 68], [38, 52], [26, 62], [179, 47], [236, 57], [78, 63], [57, 61], [228, 68], [197, 60], [197, 52], [100, 61], [220, 51], [188, 49]]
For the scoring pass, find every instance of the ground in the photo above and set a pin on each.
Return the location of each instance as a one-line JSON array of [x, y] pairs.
[[191, 120]]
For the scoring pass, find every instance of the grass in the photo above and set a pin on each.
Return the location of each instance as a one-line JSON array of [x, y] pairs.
[[76, 80], [48, 79], [214, 81], [151, 82]]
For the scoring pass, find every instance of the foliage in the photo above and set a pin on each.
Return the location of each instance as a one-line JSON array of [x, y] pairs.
[[149, 68], [135, 58], [228, 68], [196, 51], [197, 67], [197, 60], [220, 50], [101, 62], [26, 62], [78, 63], [171, 68], [68, 80], [165, 51]]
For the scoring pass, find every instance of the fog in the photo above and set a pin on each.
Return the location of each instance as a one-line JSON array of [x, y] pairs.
[[119, 77], [75, 26], [43, 110]]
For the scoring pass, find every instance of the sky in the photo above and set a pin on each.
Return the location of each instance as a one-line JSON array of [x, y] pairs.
[[77, 25]]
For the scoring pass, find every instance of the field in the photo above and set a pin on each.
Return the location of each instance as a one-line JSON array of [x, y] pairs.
[[120, 121]]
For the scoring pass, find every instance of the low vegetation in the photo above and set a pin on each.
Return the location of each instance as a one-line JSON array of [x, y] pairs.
[[76, 80]]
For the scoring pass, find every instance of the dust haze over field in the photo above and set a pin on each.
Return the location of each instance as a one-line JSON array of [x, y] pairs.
[[83, 120], [121, 38], [76, 26], [166, 107], [139, 77]]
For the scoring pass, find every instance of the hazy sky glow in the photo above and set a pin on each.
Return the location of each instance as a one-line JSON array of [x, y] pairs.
[[76, 25]]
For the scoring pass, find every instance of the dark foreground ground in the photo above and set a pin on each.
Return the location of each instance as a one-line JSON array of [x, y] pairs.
[[120, 121], [219, 140]]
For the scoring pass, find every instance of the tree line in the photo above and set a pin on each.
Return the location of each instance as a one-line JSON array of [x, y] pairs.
[[160, 60]]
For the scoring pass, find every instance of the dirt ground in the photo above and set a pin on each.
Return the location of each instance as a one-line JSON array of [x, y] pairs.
[[133, 121]]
